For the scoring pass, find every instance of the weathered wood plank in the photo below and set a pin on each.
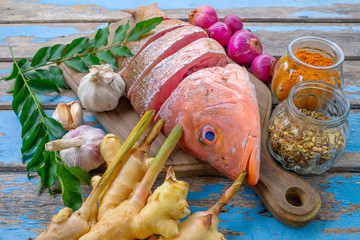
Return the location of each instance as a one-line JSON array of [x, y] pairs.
[[75, 11], [10, 145], [275, 37], [351, 88], [25, 213]]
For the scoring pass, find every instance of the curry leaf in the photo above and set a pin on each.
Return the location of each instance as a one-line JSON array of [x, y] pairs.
[[33, 140], [37, 160], [77, 64], [80, 174], [76, 46], [31, 124], [71, 190], [41, 57], [90, 59], [54, 127], [42, 86], [120, 32], [122, 51], [47, 172], [101, 37], [27, 110], [56, 52], [57, 76], [20, 99], [143, 27], [108, 57]]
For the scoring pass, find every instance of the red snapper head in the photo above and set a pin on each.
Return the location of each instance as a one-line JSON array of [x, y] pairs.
[[227, 136]]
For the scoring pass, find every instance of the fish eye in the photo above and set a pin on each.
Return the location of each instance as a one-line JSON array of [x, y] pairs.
[[208, 135]]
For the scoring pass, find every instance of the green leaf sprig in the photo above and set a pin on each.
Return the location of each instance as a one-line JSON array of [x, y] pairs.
[[30, 81]]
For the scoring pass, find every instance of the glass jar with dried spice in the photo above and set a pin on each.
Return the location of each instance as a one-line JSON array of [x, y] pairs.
[[308, 132], [308, 58]]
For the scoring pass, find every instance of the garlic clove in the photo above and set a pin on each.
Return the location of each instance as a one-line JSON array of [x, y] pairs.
[[77, 115], [62, 115], [69, 115]]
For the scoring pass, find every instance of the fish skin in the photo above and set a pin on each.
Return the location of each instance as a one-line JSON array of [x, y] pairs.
[[225, 99], [159, 49]]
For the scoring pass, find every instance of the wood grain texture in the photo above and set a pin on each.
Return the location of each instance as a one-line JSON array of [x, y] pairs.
[[275, 37], [77, 11], [244, 218]]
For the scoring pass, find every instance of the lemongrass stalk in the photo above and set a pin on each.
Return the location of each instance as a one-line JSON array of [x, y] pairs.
[[140, 152], [228, 195], [127, 145], [142, 191]]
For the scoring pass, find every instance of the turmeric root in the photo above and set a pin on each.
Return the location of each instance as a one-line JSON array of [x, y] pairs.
[[203, 225], [131, 173], [70, 225], [130, 220]]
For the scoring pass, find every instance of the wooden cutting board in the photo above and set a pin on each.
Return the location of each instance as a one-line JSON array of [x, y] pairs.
[[287, 196]]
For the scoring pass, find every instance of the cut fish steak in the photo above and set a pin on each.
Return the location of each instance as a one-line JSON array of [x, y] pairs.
[[158, 50], [137, 46]]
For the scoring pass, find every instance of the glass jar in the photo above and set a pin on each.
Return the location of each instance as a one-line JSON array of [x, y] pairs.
[[308, 132], [290, 70]]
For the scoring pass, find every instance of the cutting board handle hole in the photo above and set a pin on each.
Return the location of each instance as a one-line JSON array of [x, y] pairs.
[[295, 196]]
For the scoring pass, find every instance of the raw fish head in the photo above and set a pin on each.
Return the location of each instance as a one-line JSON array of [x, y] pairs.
[[218, 110]]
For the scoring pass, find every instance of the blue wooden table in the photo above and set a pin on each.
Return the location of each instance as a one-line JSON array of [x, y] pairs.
[[30, 25]]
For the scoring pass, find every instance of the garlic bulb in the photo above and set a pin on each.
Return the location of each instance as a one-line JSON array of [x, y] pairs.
[[80, 147], [69, 115], [101, 89]]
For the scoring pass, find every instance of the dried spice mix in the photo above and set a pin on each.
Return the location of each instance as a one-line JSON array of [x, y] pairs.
[[302, 146]]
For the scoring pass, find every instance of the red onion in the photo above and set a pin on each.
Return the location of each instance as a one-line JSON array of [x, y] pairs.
[[243, 47], [203, 17], [220, 32], [234, 22], [262, 67]]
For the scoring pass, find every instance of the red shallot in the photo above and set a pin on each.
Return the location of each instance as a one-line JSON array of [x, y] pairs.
[[203, 17], [220, 32], [262, 67], [243, 47], [234, 22]]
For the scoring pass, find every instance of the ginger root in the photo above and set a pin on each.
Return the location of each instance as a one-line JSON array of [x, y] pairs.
[[203, 224], [131, 219]]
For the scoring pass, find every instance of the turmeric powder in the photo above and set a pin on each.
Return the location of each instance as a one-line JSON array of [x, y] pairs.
[[287, 73]]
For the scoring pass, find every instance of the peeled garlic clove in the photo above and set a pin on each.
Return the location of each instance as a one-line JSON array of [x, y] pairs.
[[69, 115], [101, 89], [62, 115], [77, 115], [80, 147]]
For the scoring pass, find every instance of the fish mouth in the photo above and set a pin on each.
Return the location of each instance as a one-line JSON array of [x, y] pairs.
[[250, 160]]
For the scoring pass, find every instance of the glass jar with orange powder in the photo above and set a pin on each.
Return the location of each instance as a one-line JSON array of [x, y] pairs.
[[308, 58]]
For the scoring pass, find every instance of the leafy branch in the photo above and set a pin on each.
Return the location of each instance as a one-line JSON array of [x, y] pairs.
[[37, 127]]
